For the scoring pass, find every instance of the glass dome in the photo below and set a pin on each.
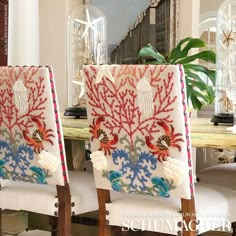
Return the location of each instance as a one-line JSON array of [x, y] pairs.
[[226, 59], [86, 44]]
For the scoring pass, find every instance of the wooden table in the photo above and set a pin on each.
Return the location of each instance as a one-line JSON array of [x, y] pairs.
[[203, 133], [76, 133], [75, 129]]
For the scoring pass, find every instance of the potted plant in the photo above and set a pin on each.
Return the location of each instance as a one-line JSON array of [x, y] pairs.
[[199, 93]]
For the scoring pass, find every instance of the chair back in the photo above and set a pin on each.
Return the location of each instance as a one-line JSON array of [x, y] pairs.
[[31, 138], [138, 122]]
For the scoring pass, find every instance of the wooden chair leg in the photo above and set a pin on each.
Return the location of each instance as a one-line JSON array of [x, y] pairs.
[[233, 225], [124, 233], [117, 231], [104, 229], [53, 221], [64, 210], [189, 217]]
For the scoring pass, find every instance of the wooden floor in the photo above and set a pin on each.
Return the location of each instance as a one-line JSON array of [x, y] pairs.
[[40, 222], [92, 232], [32, 233]]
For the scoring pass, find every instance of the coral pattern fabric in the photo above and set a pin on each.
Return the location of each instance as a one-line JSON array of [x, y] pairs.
[[31, 139], [139, 129]]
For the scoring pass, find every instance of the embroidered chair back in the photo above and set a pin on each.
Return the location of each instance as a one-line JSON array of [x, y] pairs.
[[31, 139], [139, 132]]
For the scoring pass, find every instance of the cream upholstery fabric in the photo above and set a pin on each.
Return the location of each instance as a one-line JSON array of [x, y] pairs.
[[31, 146], [162, 215], [223, 175], [138, 143], [18, 195], [83, 192]]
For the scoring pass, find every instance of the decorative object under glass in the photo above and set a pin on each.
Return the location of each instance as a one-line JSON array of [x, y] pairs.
[[86, 44], [225, 101]]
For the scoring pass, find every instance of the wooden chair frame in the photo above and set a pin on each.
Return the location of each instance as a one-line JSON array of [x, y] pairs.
[[188, 212]]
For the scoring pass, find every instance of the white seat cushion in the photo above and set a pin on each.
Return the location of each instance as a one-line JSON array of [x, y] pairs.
[[42, 198], [83, 191], [221, 175], [162, 215]]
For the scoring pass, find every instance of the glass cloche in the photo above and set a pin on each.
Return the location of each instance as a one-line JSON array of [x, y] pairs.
[[86, 44], [225, 100]]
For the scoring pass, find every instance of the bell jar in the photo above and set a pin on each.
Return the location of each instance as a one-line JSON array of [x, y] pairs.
[[86, 44], [225, 100]]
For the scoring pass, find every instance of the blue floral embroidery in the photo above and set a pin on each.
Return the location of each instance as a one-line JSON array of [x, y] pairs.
[[139, 171], [18, 159], [161, 185], [41, 178], [114, 177], [15, 163], [2, 169]]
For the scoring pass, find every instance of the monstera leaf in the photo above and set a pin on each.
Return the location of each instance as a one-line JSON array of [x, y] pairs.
[[199, 93]]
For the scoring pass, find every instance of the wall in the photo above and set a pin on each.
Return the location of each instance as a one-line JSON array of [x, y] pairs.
[[53, 15], [188, 18], [207, 5], [23, 32]]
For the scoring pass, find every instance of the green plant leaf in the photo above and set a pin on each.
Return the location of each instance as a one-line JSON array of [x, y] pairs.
[[196, 82], [150, 51], [196, 103], [207, 55], [211, 74], [153, 62], [198, 90], [193, 92], [199, 93], [195, 77], [178, 53]]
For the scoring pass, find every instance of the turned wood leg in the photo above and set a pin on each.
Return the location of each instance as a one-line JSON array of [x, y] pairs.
[[233, 225], [75, 154], [53, 221], [117, 230], [124, 233]]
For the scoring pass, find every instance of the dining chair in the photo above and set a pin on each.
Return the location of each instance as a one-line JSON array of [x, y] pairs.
[[33, 168], [222, 175], [141, 149]]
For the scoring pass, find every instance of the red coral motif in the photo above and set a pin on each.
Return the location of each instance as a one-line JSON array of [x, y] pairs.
[[165, 142], [118, 102], [39, 135], [98, 133]]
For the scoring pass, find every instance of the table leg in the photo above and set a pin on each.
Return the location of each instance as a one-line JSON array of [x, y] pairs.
[[75, 154], [78, 151], [69, 156]]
